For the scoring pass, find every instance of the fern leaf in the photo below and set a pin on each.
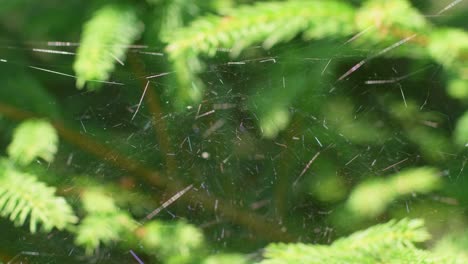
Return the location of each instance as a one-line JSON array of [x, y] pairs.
[[33, 139], [22, 196], [174, 242], [104, 41], [104, 224], [138, 203], [271, 22], [103, 229], [95, 201], [268, 23], [401, 233], [392, 242]]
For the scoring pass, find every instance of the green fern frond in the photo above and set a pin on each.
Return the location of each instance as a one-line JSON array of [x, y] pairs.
[[174, 242], [104, 42], [103, 229], [449, 47], [268, 23], [33, 139], [372, 197], [104, 224], [399, 234], [392, 242], [137, 203], [22, 196], [381, 23], [95, 201]]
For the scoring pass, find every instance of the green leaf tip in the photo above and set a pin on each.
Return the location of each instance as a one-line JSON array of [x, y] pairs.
[[33, 139], [105, 39]]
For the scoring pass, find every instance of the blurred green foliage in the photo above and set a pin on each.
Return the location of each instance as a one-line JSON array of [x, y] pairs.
[[33, 139], [293, 123], [392, 242], [385, 191]]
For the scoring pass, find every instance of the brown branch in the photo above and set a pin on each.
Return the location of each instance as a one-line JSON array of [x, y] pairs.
[[160, 127], [155, 110], [5, 257], [256, 223]]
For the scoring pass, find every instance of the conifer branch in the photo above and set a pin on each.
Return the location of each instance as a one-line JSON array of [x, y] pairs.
[[382, 24], [268, 23]]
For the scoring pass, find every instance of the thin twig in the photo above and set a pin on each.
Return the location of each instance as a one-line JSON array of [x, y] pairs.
[[169, 202]]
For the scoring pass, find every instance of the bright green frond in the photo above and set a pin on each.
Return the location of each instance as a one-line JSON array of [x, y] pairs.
[[266, 22], [95, 201], [104, 42], [392, 242], [33, 139], [175, 242], [22, 196], [103, 229], [393, 233], [270, 22], [104, 224]]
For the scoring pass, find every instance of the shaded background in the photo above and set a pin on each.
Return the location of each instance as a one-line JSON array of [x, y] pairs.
[[277, 159]]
